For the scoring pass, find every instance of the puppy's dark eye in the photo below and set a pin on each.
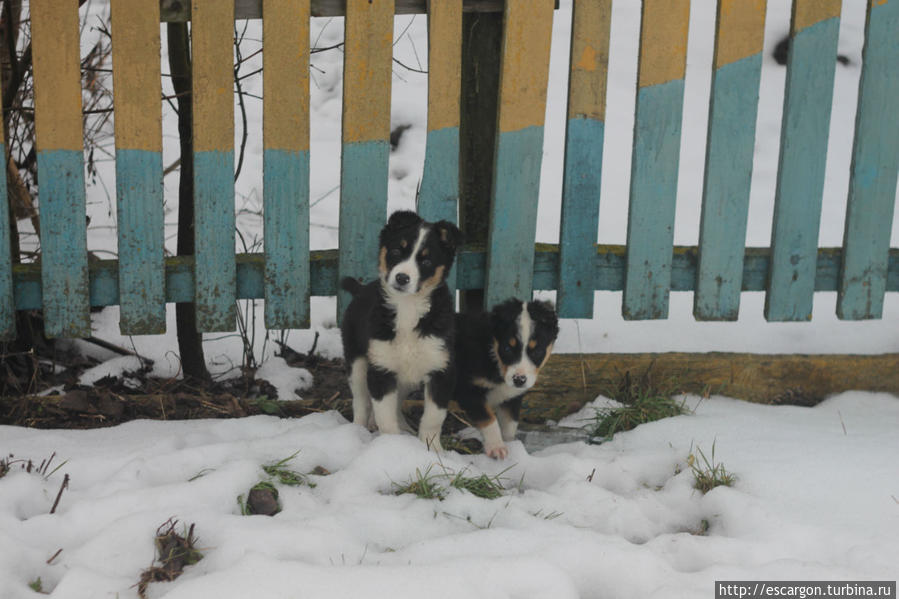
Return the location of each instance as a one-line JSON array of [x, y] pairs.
[[395, 253], [426, 263]]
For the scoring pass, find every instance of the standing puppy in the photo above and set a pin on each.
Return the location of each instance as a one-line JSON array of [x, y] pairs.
[[498, 358], [398, 332]]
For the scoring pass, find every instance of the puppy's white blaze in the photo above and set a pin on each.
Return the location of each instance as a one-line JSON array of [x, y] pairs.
[[431, 424], [493, 438], [386, 414], [409, 266], [359, 388], [523, 367]]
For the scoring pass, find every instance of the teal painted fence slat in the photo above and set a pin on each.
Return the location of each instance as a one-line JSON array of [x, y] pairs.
[[438, 197], [650, 226], [63, 243], [725, 197], [286, 197], [875, 162], [7, 297], [139, 203], [580, 216], [363, 209], [800, 176], [214, 238], [513, 221]]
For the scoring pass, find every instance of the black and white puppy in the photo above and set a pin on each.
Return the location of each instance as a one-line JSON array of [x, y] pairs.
[[399, 332], [498, 358]]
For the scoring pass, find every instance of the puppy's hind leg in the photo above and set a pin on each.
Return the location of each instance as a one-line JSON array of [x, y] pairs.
[[361, 396]]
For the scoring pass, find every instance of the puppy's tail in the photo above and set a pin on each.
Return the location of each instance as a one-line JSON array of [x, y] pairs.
[[351, 285]]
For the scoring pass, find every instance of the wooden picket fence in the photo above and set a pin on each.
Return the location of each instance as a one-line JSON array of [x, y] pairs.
[[64, 284]]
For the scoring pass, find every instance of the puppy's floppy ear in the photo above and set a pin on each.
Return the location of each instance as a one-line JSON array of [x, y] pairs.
[[449, 234], [504, 313], [545, 314]]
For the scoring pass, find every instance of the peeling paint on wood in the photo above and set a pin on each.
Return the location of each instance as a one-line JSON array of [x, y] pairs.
[[214, 231], [286, 162], [57, 100], [139, 190], [585, 128], [139, 200], [657, 130], [875, 163], [286, 214], [367, 69], [728, 162], [213, 108], [524, 73], [438, 196], [800, 175]]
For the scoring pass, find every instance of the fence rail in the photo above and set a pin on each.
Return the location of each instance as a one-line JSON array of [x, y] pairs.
[[64, 284]]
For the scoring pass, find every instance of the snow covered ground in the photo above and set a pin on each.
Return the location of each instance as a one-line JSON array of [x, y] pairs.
[[816, 497]]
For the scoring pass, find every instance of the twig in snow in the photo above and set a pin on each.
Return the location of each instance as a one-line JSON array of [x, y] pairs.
[[62, 487]]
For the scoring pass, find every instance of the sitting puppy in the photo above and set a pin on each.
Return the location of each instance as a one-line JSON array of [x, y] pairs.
[[498, 358], [398, 331]]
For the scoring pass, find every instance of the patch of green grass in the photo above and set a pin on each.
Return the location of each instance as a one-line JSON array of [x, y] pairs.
[[642, 401], [707, 473], [285, 475], [436, 485], [36, 585], [483, 486], [423, 485]]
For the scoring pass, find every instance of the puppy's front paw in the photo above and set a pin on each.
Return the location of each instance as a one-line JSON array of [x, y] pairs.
[[497, 452]]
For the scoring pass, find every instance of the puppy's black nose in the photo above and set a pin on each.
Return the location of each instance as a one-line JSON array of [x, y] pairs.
[[520, 380], [402, 278]]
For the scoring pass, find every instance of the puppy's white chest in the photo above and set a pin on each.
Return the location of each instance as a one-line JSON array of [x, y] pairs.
[[409, 355]]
